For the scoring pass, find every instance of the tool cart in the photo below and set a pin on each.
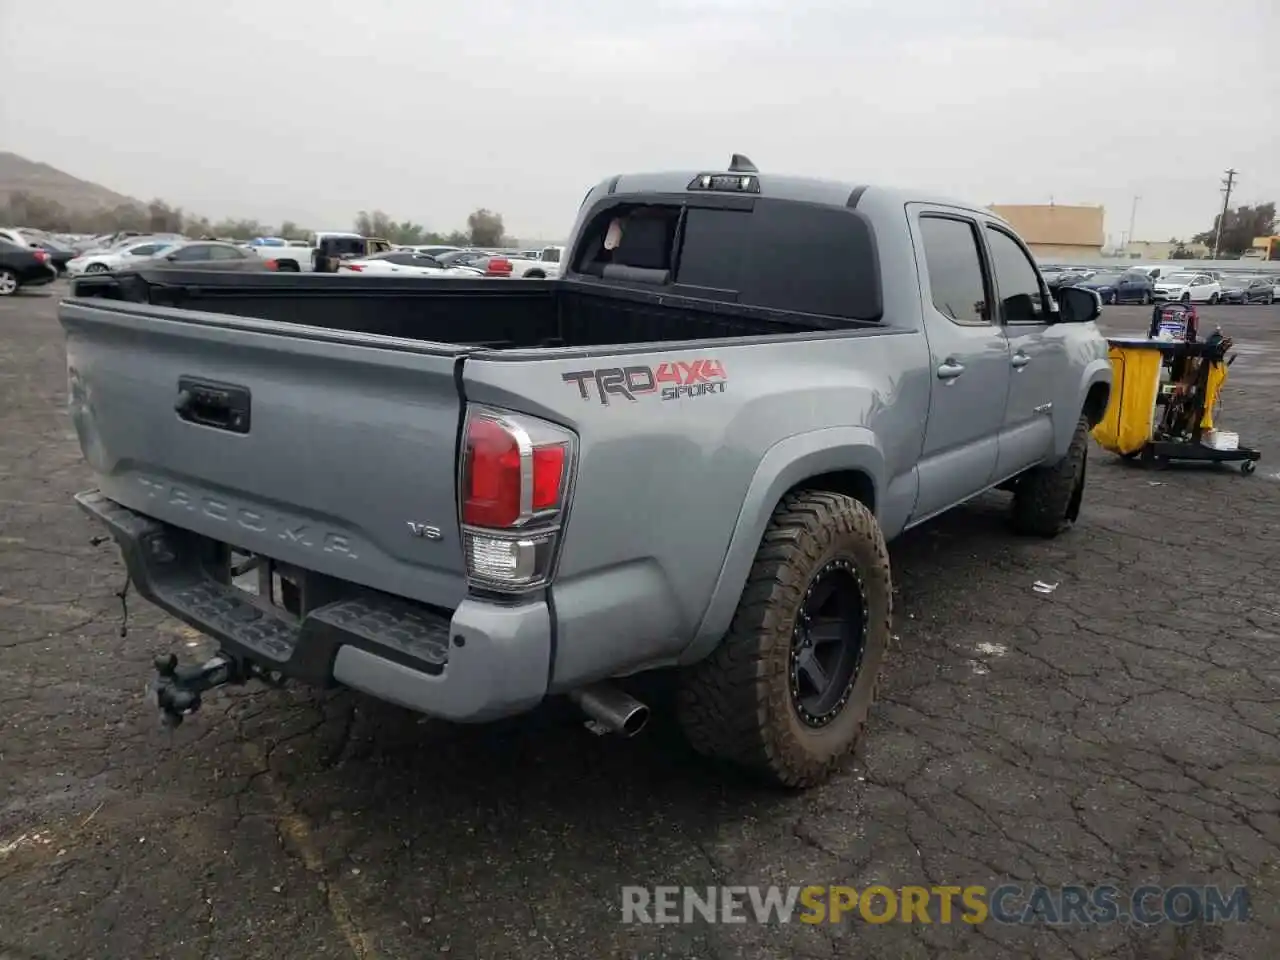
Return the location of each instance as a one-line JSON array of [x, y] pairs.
[[1165, 388]]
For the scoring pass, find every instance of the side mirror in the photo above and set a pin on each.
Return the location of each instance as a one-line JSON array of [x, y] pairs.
[[1078, 305]]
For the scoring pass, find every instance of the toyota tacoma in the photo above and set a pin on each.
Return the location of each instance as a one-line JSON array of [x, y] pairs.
[[686, 454]]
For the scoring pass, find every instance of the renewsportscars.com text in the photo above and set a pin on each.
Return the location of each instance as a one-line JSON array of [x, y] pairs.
[[1006, 904]]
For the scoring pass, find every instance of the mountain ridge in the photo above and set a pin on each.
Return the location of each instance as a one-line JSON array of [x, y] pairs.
[[18, 174]]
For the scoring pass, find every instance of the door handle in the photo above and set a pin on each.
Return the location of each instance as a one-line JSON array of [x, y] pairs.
[[949, 369], [1020, 360]]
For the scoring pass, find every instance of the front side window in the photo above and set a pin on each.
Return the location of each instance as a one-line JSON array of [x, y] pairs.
[[953, 266], [1021, 298]]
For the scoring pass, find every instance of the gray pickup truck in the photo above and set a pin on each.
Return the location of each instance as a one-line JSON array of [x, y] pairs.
[[686, 455]]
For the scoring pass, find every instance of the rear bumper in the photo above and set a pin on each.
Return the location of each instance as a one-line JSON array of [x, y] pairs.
[[484, 662]]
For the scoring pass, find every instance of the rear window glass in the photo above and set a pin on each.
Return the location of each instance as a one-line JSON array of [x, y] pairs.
[[779, 254], [810, 258]]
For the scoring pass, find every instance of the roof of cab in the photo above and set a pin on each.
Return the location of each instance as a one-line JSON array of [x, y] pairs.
[[805, 189]]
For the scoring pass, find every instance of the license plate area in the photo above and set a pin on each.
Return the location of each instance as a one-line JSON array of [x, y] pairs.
[[272, 583]]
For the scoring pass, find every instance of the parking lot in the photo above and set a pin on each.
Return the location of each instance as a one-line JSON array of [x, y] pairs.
[[1124, 727]]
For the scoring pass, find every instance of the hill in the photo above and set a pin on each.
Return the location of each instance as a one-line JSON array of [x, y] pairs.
[[20, 175]]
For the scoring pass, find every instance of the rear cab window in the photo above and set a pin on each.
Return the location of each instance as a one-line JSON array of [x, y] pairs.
[[783, 255]]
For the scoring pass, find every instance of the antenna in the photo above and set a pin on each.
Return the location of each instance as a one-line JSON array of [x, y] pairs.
[[740, 164]]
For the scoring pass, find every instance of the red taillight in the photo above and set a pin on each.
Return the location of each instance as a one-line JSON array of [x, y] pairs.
[[548, 476], [353, 267], [498, 267], [41, 255], [496, 490], [492, 476], [272, 265]]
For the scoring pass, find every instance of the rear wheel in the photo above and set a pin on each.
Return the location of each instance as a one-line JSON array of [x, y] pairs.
[[1213, 299], [787, 692], [9, 283], [286, 266], [1186, 298], [95, 268], [1146, 299]]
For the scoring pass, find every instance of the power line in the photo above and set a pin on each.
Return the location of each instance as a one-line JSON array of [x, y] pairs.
[[1227, 184]]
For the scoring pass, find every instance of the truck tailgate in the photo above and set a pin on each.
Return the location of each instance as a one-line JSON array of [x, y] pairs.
[[298, 444]]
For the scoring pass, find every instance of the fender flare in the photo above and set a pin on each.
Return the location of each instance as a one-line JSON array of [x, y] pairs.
[[1095, 372], [786, 464]]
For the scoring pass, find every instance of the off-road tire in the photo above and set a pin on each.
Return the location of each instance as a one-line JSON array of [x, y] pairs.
[[736, 705], [1046, 501]]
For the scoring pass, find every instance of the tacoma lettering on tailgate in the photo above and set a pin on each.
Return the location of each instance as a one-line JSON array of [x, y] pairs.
[[293, 532], [673, 380]]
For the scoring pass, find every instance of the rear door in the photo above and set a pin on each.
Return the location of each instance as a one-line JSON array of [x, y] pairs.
[[341, 445], [969, 361]]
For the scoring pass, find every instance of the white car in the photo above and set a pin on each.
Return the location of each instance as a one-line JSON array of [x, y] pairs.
[[105, 261], [404, 263], [541, 264], [1194, 287]]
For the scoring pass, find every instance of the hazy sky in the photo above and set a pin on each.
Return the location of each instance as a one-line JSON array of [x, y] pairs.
[[311, 109]]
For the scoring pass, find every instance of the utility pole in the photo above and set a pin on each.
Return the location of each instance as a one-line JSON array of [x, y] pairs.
[[1133, 215], [1226, 202]]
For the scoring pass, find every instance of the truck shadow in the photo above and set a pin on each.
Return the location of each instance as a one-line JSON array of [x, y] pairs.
[[542, 790]]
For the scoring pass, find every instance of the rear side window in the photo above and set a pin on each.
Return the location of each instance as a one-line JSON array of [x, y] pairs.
[[954, 268]]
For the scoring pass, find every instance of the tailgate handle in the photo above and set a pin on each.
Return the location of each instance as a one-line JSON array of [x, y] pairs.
[[222, 406]]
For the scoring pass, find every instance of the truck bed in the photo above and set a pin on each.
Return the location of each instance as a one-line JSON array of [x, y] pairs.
[[492, 314]]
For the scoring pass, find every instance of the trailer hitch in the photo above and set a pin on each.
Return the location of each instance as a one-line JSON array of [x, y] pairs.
[[179, 689]]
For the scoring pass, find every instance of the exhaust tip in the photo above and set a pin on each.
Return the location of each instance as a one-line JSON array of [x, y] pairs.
[[636, 721], [611, 709]]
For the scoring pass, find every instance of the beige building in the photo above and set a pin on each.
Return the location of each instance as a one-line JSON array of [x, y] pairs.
[[1054, 231]]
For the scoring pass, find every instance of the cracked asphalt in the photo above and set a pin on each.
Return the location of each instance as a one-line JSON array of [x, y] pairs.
[[1122, 728]]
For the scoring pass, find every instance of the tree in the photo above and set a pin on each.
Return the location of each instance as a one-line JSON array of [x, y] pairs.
[[161, 218], [1239, 229], [485, 227], [291, 231]]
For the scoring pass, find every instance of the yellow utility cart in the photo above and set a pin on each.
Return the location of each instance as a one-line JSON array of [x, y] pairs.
[[1163, 421]]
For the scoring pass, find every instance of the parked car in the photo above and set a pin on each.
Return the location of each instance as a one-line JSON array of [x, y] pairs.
[[405, 263], [462, 258], [200, 255], [1248, 290], [108, 260], [432, 251], [480, 496], [23, 266], [12, 235], [1132, 286], [1192, 287], [322, 252], [59, 255], [1160, 270]]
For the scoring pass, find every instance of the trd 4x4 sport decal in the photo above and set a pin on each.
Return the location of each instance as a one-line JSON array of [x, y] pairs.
[[675, 380]]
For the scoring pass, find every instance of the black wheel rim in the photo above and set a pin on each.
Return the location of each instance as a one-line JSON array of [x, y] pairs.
[[828, 642]]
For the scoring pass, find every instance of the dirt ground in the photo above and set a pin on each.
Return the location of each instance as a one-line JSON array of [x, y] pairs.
[[1122, 728]]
